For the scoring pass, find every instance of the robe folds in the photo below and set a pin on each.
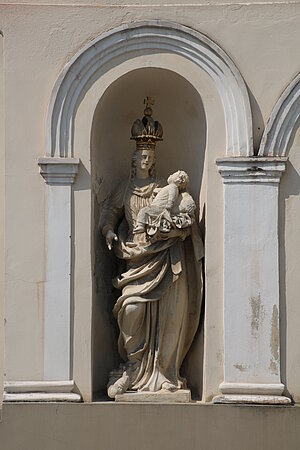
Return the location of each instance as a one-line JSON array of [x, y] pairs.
[[161, 289]]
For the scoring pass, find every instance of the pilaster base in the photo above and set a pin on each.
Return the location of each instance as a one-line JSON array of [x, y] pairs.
[[264, 389], [40, 391], [252, 399]]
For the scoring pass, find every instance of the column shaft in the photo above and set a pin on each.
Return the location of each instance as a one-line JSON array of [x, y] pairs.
[[251, 281]]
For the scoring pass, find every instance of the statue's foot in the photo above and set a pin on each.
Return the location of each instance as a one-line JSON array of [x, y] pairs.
[[120, 386], [169, 386]]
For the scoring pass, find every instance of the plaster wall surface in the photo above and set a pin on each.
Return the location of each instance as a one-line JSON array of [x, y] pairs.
[[2, 207], [112, 426], [39, 39], [289, 210]]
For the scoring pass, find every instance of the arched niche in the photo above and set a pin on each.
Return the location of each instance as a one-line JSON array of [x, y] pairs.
[[115, 142], [128, 41], [179, 108], [75, 97]]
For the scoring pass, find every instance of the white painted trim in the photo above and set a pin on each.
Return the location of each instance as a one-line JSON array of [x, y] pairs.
[[59, 174], [42, 397], [58, 171], [40, 391], [282, 121], [2, 219], [252, 399], [38, 386], [251, 278], [132, 39], [251, 170], [252, 388]]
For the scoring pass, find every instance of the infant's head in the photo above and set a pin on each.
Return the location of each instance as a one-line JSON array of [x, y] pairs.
[[180, 178]]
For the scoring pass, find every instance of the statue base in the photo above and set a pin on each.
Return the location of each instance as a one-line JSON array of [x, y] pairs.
[[163, 396]]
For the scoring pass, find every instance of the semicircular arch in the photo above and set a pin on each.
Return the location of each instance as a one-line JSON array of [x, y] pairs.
[[127, 41], [282, 121]]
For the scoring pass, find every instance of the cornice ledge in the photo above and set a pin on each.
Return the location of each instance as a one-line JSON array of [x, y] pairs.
[[58, 171], [251, 169]]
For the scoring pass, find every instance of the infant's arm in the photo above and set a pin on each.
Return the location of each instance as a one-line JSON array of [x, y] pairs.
[[173, 194]]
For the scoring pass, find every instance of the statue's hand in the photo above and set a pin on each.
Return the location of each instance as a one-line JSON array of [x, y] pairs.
[[110, 238]]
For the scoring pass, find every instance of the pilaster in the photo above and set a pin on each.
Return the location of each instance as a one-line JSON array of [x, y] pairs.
[[251, 281], [57, 385]]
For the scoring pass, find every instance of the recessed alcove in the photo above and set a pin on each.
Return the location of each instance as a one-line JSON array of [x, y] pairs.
[[179, 108]]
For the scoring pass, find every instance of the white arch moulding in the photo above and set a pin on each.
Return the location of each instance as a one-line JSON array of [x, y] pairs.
[[59, 166], [85, 67], [279, 128]]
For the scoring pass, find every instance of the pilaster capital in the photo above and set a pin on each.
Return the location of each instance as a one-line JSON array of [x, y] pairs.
[[237, 170], [58, 171]]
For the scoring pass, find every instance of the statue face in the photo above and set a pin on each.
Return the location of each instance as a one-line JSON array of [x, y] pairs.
[[145, 159], [175, 178]]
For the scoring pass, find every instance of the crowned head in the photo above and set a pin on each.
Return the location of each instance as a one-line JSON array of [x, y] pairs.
[[146, 131]]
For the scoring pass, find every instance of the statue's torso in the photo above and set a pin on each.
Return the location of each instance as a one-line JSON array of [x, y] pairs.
[[136, 198]]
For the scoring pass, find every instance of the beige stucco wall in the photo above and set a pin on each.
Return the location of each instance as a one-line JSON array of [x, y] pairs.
[[289, 207], [149, 427], [2, 207], [262, 39]]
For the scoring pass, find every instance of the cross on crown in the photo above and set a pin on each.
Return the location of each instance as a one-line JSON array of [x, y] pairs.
[[149, 102]]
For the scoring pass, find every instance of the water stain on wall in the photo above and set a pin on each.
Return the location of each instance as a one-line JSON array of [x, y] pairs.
[[274, 341], [241, 367], [257, 314]]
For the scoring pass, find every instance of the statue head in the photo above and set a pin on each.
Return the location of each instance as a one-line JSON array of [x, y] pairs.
[[146, 132], [144, 159], [180, 178]]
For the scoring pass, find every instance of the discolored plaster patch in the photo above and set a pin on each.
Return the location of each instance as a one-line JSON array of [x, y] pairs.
[[257, 314], [241, 367], [219, 357], [273, 367], [274, 341]]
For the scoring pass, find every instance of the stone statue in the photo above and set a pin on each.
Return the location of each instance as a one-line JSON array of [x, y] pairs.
[[153, 229], [157, 216]]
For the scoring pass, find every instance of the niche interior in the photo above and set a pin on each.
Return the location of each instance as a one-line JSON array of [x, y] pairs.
[[179, 108]]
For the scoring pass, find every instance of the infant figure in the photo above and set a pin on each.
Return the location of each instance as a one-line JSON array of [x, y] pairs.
[[160, 209]]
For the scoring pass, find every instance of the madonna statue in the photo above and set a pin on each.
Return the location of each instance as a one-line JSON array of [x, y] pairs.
[[161, 286]]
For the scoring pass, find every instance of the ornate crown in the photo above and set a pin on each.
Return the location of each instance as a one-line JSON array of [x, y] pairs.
[[147, 131]]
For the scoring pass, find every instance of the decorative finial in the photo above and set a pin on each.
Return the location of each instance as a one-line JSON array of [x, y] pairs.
[[149, 102], [147, 131]]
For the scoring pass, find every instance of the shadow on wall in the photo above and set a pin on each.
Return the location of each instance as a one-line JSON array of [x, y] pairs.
[[257, 121], [289, 266], [179, 108]]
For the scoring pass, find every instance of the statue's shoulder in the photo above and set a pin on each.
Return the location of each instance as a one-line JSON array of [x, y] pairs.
[[123, 184], [121, 187], [116, 195]]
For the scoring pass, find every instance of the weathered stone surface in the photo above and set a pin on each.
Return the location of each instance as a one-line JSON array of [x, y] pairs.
[[180, 396], [253, 399]]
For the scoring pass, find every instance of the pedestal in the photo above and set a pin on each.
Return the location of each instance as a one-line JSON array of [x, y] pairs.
[[180, 396]]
